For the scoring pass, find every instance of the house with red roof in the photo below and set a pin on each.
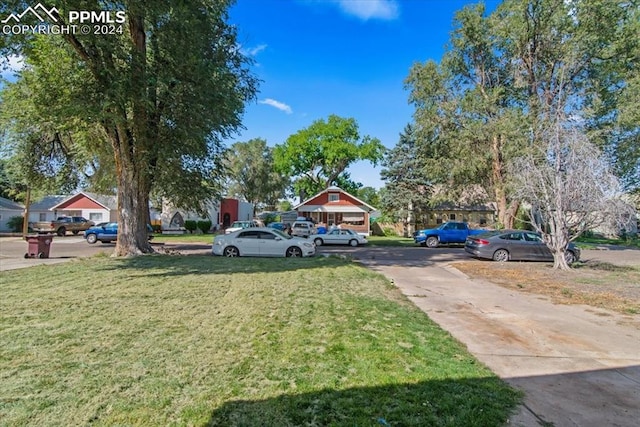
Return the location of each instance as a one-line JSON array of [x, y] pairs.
[[335, 206]]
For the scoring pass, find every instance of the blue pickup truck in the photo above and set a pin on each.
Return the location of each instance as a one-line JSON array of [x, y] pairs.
[[448, 232]]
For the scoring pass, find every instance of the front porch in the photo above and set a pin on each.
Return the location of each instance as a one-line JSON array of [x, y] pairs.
[[356, 221]]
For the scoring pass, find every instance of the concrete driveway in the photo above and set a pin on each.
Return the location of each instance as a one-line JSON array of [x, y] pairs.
[[578, 365]]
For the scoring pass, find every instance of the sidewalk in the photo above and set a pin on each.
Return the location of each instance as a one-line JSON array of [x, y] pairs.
[[578, 366]]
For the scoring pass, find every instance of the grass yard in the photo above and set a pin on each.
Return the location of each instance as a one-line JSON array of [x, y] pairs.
[[591, 242], [196, 340], [598, 284]]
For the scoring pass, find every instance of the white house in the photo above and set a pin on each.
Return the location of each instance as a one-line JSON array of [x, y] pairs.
[[221, 214], [9, 209], [94, 207]]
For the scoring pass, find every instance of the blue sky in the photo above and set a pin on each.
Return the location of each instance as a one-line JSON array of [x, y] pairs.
[[346, 57]]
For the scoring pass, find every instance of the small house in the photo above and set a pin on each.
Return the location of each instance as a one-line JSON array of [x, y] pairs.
[[335, 206]]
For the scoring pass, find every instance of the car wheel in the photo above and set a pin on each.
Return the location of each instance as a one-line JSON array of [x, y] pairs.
[[353, 242], [92, 238], [61, 231], [570, 257], [501, 255], [318, 242], [294, 252], [432, 242], [231, 252]]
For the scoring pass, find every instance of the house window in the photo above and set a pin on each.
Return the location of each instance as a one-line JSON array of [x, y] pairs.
[[42, 216], [334, 197], [452, 217], [356, 218], [95, 216]]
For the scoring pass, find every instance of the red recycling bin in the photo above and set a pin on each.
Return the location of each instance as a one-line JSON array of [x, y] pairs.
[[39, 246]]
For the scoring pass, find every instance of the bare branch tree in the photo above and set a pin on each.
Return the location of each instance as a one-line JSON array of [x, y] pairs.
[[570, 188]]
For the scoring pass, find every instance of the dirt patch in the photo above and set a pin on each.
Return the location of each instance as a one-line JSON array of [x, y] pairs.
[[598, 284]]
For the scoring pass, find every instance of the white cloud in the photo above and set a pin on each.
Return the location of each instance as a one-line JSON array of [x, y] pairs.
[[277, 104], [253, 51], [371, 9]]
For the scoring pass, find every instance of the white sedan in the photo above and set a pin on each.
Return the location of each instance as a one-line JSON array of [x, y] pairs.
[[261, 241], [338, 236]]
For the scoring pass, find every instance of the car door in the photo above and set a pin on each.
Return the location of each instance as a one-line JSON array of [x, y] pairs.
[[345, 237], [448, 233], [332, 237], [539, 248], [520, 249], [268, 245], [247, 243], [109, 233], [515, 244]]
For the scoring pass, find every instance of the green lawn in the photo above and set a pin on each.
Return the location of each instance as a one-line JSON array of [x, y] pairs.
[[197, 340], [590, 242]]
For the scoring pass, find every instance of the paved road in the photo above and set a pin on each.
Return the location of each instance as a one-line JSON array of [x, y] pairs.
[[578, 365]]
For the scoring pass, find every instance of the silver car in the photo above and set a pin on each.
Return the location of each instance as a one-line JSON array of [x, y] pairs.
[[339, 236], [261, 241], [515, 245]]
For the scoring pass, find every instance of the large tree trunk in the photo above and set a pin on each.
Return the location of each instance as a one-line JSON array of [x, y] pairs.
[[506, 209], [132, 149], [134, 185], [558, 241]]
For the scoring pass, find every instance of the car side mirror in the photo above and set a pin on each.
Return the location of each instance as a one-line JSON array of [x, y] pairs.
[[278, 238]]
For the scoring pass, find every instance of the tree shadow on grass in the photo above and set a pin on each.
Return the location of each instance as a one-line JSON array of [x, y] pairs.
[[177, 265], [462, 402]]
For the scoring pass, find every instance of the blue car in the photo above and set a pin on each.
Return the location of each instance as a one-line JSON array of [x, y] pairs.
[[279, 226], [448, 232], [107, 232]]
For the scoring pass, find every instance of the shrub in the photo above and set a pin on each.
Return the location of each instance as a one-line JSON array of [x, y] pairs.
[[269, 218], [389, 231], [204, 226], [157, 228], [191, 225], [15, 223]]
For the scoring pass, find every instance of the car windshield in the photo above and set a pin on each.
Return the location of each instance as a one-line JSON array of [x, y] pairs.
[[281, 234], [489, 234]]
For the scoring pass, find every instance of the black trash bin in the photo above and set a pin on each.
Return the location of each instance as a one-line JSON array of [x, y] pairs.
[[38, 246]]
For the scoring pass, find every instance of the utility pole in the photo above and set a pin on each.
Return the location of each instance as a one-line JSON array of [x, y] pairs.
[[25, 221]]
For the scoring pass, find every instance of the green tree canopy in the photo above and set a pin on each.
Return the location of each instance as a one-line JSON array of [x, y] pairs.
[[406, 187], [507, 76], [251, 173], [159, 95], [317, 157]]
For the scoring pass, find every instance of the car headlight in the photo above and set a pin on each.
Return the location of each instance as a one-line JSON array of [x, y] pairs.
[[308, 245]]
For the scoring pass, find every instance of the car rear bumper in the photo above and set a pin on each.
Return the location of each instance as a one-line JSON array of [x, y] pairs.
[[474, 251]]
